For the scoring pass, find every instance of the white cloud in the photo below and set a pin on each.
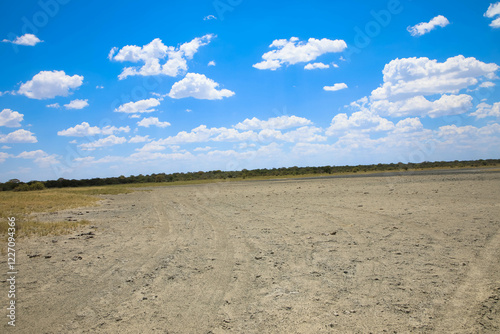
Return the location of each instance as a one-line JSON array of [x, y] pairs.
[[204, 134], [270, 130], [362, 121], [85, 160], [487, 84], [99, 87], [49, 84], [19, 136], [139, 139], [409, 77], [141, 106], [53, 105], [454, 133], [425, 27], [486, 110], [409, 125], [77, 104], [41, 158], [198, 86], [281, 122], [103, 142], [420, 106], [209, 17], [10, 118], [289, 52], [313, 66], [4, 156], [26, 39], [152, 121], [84, 129], [335, 87], [151, 147], [494, 10], [211, 63], [203, 149], [495, 23], [151, 54], [302, 134], [263, 153]]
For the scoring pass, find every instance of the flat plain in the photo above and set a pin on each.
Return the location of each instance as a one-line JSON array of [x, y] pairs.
[[396, 254]]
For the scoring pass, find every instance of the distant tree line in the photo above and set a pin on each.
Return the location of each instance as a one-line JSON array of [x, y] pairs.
[[17, 185]]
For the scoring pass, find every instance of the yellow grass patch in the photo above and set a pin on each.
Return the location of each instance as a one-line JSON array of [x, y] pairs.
[[22, 206]]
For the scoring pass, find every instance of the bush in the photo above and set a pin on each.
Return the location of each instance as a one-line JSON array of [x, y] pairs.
[[30, 187], [37, 186], [22, 187]]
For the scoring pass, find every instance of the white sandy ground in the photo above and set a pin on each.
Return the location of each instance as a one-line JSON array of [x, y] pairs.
[[400, 254]]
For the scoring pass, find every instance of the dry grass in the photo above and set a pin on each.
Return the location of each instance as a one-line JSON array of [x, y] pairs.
[[22, 206], [35, 228]]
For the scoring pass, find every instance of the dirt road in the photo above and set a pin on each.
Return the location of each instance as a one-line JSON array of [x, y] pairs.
[[399, 254]]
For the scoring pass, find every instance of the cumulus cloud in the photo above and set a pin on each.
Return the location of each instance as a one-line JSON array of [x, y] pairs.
[[198, 86], [53, 105], [10, 118], [292, 51], [461, 133], [84, 129], [152, 121], [139, 139], [141, 106], [154, 53], [335, 87], [495, 23], [281, 122], [77, 104], [409, 77], [423, 87], [302, 134], [41, 158], [19, 136], [362, 121], [408, 125], [151, 147], [494, 10], [211, 63], [314, 66], [420, 106], [486, 110], [426, 27], [103, 142], [49, 84], [204, 134], [26, 39]]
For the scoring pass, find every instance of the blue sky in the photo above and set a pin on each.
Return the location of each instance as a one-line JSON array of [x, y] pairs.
[[99, 89]]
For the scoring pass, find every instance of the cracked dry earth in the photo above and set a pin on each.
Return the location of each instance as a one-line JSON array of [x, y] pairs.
[[401, 254]]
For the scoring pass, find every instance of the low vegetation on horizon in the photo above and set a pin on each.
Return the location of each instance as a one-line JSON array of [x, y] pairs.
[[17, 185], [23, 200]]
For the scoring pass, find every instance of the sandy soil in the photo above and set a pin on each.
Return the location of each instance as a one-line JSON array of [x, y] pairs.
[[401, 254]]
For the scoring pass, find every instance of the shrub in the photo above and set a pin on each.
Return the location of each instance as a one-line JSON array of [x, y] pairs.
[[37, 186]]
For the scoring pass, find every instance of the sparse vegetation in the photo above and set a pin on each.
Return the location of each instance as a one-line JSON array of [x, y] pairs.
[[23, 205]]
